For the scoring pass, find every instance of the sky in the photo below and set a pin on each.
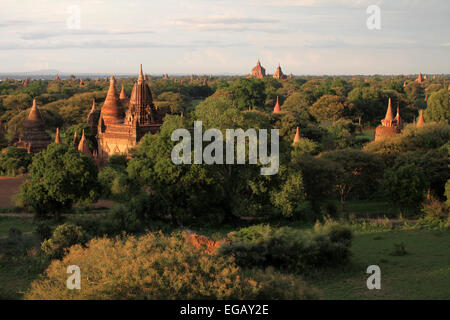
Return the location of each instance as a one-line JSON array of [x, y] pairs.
[[224, 36]]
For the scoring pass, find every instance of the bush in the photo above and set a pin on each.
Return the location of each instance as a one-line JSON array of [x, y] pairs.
[[155, 266], [288, 249], [64, 236], [135, 215], [434, 210], [43, 230]]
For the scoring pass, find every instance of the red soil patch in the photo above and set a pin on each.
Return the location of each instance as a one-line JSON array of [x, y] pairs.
[[9, 186]]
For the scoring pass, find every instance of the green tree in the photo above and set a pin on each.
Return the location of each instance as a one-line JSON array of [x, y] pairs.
[[438, 108], [405, 187], [59, 177], [369, 104], [357, 173], [318, 177], [249, 93], [14, 160], [330, 108]]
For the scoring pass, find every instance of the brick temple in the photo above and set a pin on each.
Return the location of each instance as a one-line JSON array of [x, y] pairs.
[[118, 131], [258, 71], [390, 126], [34, 138]]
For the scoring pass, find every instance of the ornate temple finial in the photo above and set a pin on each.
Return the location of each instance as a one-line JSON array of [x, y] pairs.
[[141, 75], [277, 108], [83, 146], [122, 93], [389, 114], [57, 139], [297, 136]]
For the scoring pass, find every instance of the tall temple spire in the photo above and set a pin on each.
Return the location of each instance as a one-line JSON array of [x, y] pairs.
[[277, 108], [57, 139], [398, 118], [34, 116], [112, 111], [389, 118], [297, 136], [141, 75], [122, 94], [83, 146], [421, 121]]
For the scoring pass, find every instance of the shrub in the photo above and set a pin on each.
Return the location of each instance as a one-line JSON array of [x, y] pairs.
[[276, 285], [288, 249], [43, 230], [434, 210], [64, 236], [399, 249], [135, 215], [155, 266]]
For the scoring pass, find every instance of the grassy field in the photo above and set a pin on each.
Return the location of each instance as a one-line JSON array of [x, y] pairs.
[[24, 224], [423, 273]]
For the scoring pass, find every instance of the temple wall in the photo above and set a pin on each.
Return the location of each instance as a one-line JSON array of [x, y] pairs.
[[385, 132]]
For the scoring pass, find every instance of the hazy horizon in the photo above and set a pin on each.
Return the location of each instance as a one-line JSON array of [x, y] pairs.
[[307, 37]]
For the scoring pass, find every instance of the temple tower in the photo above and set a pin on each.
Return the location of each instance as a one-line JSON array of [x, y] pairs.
[[297, 136], [389, 125], [277, 108], [279, 73], [34, 138], [258, 71]]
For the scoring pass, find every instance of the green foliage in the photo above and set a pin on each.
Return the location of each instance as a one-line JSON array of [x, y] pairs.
[[358, 173], [290, 199], [369, 104], [175, 102], [434, 210], [438, 107], [405, 186], [135, 216], [447, 191], [114, 181], [305, 146], [399, 249], [288, 249], [14, 161], [59, 177], [340, 135], [64, 236], [330, 108], [43, 230], [249, 93], [161, 267]]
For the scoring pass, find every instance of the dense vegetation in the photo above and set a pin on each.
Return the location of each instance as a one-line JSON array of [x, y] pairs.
[[335, 162]]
